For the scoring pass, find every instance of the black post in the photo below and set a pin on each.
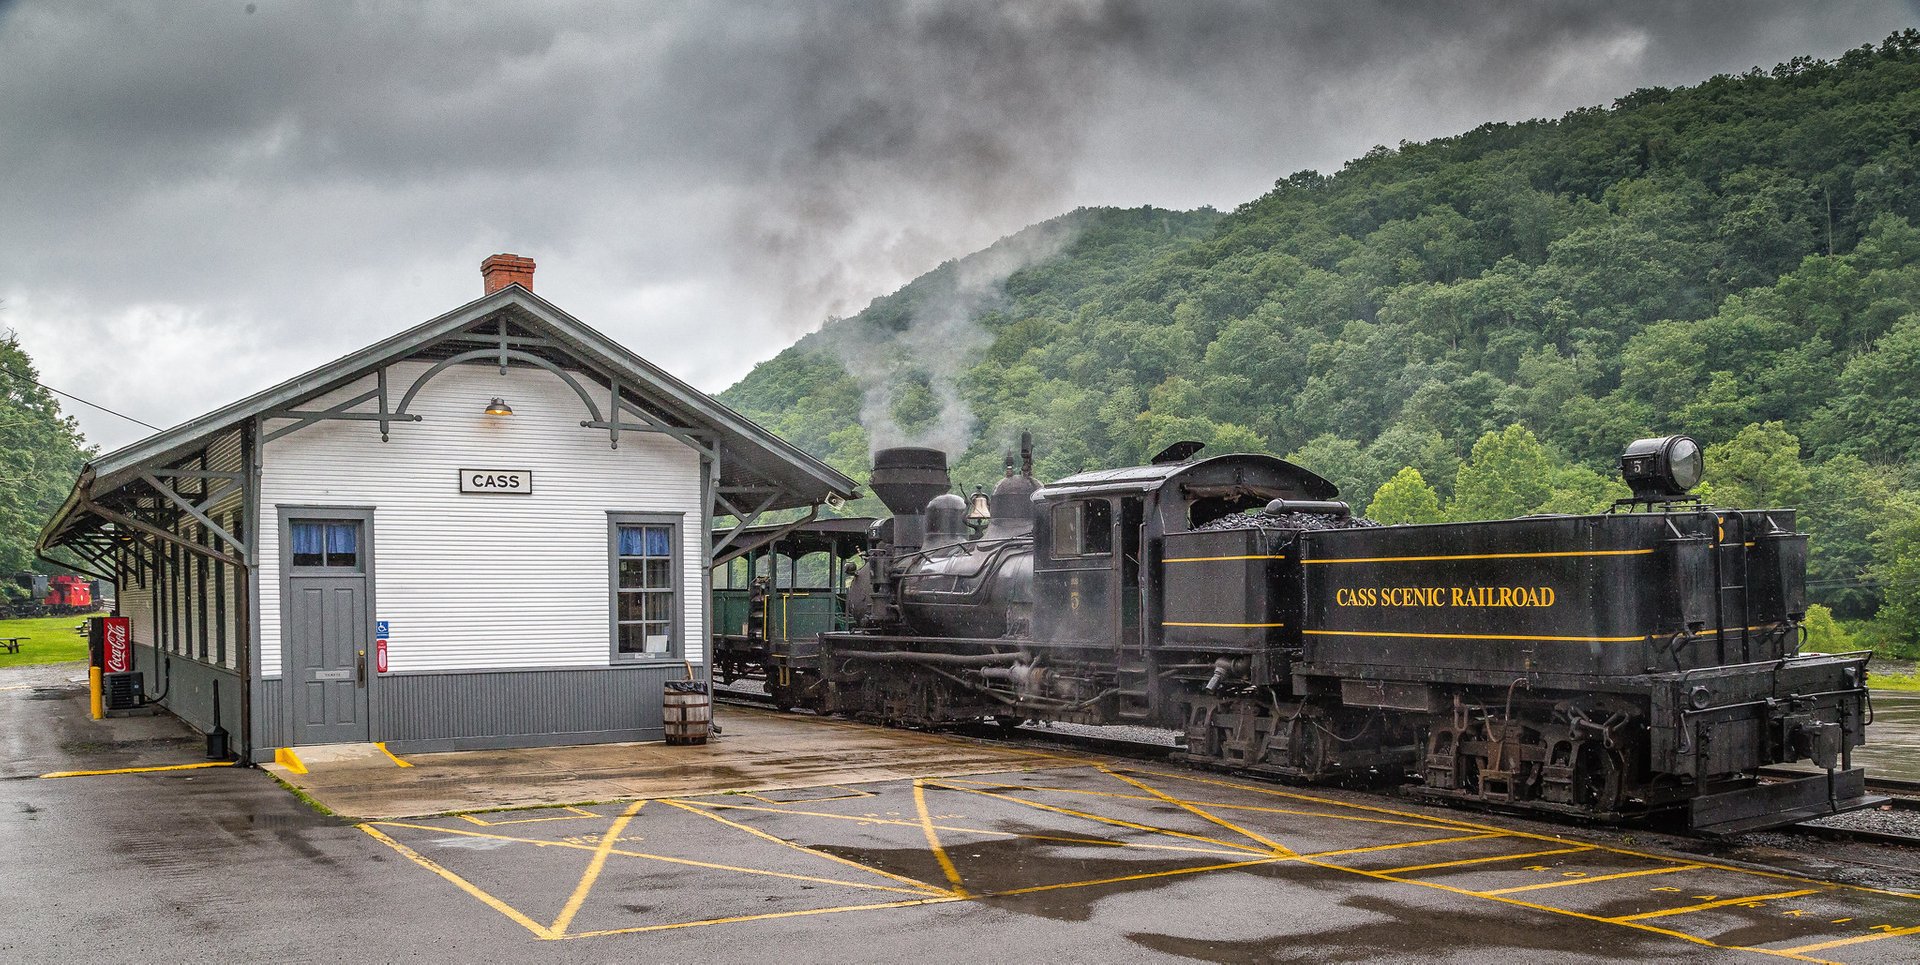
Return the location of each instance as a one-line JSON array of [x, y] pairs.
[[217, 737]]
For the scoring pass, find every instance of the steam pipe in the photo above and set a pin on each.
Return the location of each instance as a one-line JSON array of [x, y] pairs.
[[942, 659]]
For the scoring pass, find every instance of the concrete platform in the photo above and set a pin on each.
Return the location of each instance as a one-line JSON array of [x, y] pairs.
[[760, 751]]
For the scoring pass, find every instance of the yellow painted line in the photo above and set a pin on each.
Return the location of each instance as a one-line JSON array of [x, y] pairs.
[[390, 755], [933, 839], [768, 916], [1239, 626], [1212, 559], [1404, 844], [285, 757], [594, 867], [577, 814], [539, 930], [1439, 886], [1275, 846], [1469, 636], [1486, 860], [1590, 880], [689, 862], [929, 900], [1116, 822], [903, 879], [1207, 804], [141, 770], [1479, 556], [1722, 903], [1061, 839], [1144, 876], [1328, 802], [1836, 943]]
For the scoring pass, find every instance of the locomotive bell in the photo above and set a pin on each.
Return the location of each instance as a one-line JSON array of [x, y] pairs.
[[1662, 469]]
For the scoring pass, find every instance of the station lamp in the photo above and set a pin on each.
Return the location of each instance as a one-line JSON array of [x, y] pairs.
[[1662, 469], [499, 406]]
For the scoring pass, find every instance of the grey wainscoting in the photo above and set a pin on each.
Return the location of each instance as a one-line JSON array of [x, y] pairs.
[[520, 708], [270, 717], [188, 689]]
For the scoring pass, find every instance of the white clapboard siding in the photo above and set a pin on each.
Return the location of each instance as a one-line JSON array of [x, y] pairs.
[[484, 582], [135, 602]]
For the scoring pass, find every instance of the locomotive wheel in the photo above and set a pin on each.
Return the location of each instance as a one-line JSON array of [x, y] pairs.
[[1599, 781], [1008, 723]]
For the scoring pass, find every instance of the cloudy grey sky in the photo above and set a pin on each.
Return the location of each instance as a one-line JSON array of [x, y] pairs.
[[200, 199]]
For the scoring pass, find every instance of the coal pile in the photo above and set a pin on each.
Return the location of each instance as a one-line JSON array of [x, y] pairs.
[[1285, 522]]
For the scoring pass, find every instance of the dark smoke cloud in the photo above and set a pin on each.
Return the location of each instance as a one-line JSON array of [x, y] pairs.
[[212, 196]]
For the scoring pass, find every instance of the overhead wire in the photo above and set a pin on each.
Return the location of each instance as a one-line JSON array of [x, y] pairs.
[[80, 400]]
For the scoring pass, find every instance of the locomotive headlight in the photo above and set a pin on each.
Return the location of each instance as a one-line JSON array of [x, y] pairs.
[[1663, 468]]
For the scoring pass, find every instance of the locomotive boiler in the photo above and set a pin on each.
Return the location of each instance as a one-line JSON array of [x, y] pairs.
[[1607, 665]]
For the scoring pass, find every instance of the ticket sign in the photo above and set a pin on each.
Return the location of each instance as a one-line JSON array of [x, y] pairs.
[[119, 644], [379, 646]]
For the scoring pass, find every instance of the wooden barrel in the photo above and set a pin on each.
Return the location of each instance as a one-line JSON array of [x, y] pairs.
[[687, 716]]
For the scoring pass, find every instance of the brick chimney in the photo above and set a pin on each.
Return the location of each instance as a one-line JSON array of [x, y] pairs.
[[507, 269]]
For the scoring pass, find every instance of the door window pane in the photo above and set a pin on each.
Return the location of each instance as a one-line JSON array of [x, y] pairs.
[[328, 543]]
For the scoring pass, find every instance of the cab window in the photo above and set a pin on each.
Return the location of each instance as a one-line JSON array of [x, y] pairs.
[[1083, 527]]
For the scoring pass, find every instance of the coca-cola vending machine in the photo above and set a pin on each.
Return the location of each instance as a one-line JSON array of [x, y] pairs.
[[110, 646]]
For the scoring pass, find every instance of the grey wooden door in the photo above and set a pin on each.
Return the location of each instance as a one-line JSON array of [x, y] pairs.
[[327, 629]]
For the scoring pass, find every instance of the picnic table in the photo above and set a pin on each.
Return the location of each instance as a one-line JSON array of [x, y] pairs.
[[11, 644]]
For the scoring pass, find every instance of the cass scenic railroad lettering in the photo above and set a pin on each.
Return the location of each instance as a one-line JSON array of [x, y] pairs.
[[1438, 596]]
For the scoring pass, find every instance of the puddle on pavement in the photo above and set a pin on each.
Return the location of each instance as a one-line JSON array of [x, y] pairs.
[[1396, 932]]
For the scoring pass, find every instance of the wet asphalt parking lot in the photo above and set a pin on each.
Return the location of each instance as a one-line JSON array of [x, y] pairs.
[[1071, 859]]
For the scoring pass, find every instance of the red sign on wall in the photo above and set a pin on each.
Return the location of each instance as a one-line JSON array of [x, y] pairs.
[[380, 656], [119, 655]]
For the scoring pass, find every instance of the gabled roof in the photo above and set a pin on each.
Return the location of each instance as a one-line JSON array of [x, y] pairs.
[[751, 456]]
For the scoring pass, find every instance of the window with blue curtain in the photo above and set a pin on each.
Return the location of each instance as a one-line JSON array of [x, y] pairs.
[[643, 604], [326, 542]]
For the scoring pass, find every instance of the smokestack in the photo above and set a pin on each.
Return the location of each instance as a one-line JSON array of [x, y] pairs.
[[906, 477], [507, 269]]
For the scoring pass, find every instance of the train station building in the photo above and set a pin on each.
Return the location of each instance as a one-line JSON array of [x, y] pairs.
[[493, 529]]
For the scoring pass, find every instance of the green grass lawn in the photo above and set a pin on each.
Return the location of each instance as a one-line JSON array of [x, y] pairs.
[[48, 640], [1894, 681]]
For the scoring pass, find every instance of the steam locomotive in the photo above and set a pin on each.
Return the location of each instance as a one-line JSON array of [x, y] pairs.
[[1609, 666]]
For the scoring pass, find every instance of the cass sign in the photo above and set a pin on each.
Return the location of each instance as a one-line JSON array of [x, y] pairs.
[[518, 482]]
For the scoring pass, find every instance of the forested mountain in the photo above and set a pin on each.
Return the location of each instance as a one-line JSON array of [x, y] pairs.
[[1501, 311]]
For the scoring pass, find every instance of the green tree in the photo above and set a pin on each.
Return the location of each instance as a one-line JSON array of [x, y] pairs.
[[1344, 463], [41, 451], [1406, 498], [1510, 473], [1853, 497], [1896, 566], [1759, 468], [1825, 634]]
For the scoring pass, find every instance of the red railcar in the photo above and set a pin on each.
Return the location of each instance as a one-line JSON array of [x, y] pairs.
[[69, 594]]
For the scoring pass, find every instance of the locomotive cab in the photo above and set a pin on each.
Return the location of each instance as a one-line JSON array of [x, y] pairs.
[[1104, 579]]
